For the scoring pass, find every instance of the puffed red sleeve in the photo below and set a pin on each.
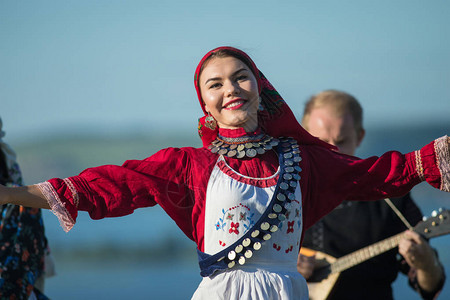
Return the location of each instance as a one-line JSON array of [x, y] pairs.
[[334, 177], [112, 191]]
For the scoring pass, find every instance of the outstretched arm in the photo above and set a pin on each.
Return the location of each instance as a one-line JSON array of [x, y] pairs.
[[420, 256], [29, 196]]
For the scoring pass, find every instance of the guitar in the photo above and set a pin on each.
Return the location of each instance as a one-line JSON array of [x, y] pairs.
[[328, 268]]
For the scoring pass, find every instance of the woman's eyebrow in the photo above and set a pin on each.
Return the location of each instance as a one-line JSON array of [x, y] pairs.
[[218, 78]]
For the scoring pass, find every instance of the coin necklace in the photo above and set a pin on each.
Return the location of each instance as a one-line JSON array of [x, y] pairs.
[[246, 146]]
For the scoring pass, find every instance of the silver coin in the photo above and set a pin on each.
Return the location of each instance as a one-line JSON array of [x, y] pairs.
[[281, 197], [257, 246], [291, 196], [255, 233], [288, 163], [240, 147], [284, 186], [277, 208], [246, 242], [297, 159], [239, 248], [231, 153], [265, 226], [248, 253], [293, 183], [281, 217], [287, 155], [256, 145], [223, 151], [248, 145], [273, 228], [241, 260], [233, 146], [231, 255], [231, 264], [260, 150], [272, 216], [267, 147], [267, 236], [240, 154], [289, 169], [298, 169], [287, 176], [215, 149], [251, 152]]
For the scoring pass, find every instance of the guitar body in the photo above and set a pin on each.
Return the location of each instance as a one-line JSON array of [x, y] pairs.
[[322, 282]]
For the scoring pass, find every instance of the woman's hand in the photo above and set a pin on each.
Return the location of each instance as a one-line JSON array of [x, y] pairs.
[[3, 194], [29, 196]]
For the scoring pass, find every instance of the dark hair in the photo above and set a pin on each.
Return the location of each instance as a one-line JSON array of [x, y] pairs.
[[221, 53]]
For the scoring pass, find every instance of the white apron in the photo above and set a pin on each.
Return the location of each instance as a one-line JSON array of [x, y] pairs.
[[234, 203]]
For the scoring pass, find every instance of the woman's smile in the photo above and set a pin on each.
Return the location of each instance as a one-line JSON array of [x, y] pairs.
[[235, 104]]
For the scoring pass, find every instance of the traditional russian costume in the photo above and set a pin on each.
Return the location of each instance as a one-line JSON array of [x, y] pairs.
[[246, 197]]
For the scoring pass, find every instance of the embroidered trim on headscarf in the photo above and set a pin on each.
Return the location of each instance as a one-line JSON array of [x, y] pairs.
[[441, 148], [56, 205], [419, 167], [76, 198]]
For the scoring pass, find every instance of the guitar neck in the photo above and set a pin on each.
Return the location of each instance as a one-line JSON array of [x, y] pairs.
[[366, 253]]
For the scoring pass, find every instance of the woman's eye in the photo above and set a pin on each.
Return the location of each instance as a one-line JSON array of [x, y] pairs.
[[241, 77], [215, 85]]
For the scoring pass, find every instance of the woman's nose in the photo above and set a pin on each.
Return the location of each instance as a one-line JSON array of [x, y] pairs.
[[232, 88]]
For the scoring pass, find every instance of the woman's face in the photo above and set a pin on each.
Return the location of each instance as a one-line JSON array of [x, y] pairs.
[[230, 93]]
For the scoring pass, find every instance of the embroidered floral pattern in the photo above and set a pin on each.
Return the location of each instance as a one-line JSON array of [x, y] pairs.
[[290, 228], [234, 228], [232, 222]]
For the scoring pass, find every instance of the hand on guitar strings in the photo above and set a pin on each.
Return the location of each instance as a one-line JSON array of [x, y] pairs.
[[416, 251]]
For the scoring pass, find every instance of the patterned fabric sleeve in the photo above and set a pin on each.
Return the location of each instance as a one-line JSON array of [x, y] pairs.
[[112, 191]]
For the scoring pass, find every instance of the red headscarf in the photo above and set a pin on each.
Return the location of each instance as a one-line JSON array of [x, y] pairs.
[[275, 120]]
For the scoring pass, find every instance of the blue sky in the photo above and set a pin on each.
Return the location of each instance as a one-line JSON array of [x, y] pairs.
[[115, 66]]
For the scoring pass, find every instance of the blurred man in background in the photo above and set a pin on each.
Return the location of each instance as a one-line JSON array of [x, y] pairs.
[[336, 118]]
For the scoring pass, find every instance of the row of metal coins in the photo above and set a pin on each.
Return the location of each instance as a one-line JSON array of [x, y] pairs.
[[249, 149], [286, 194]]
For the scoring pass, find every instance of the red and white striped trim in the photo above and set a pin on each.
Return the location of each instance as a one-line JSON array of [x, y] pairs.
[[76, 198], [258, 182], [58, 208], [419, 166]]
